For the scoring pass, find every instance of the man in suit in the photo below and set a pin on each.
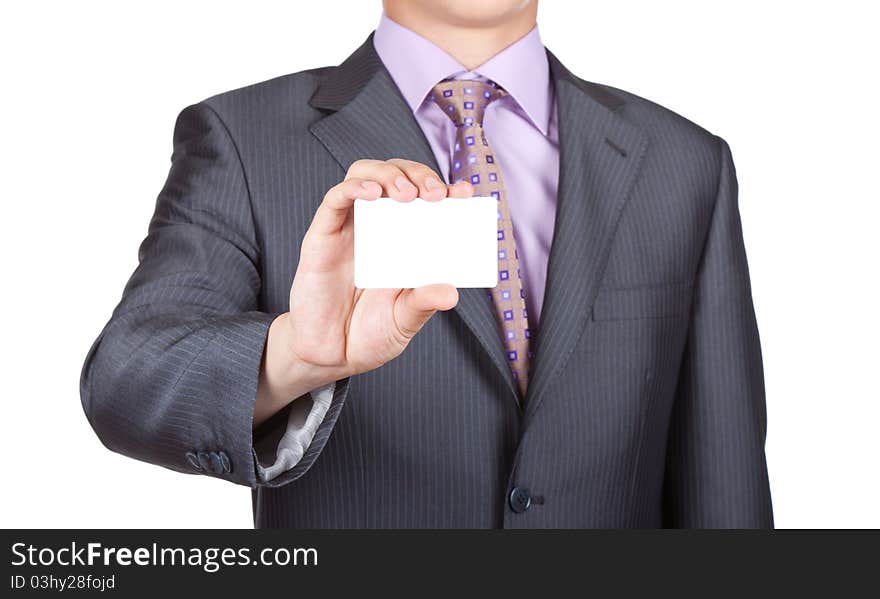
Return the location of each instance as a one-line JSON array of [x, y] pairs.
[[612, 379]]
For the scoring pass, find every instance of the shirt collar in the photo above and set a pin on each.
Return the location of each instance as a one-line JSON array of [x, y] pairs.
[[416, 65]]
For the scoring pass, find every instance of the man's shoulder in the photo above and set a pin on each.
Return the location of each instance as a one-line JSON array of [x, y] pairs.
[[685, 146], [280, 97], [659, 122]]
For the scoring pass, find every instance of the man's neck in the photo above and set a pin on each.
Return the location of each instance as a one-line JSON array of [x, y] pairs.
[[470, 45]]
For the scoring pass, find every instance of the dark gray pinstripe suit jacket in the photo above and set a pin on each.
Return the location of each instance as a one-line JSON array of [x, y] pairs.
[[646, 402]]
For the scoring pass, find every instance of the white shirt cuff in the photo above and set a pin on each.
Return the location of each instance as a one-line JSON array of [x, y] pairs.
[[302, 422]]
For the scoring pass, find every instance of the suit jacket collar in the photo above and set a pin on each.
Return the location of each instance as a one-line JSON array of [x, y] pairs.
[[600, 153], [341, 84]]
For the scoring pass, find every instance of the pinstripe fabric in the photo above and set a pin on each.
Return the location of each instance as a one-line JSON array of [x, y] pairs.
[[646, 402]]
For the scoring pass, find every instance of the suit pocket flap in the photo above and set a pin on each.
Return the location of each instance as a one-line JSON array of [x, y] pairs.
[[663, 301]]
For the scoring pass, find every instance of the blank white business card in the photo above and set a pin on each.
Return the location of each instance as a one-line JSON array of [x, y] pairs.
[[410, 244]]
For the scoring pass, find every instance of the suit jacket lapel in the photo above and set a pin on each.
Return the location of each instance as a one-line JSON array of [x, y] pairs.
[[600, 156], [368, 118]]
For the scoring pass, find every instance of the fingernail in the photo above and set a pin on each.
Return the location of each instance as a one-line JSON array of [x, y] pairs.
[[369, 185], [431, 183], [403, 184]]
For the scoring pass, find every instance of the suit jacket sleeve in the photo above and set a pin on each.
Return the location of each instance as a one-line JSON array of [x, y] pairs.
[[172, 378], [716, 474]]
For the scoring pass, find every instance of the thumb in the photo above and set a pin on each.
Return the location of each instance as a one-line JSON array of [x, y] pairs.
[[414, 307]]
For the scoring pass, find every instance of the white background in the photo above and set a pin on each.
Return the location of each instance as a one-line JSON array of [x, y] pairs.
[[91, 91]]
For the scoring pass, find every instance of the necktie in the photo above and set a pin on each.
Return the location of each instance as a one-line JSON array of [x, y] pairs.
[[465, 102]]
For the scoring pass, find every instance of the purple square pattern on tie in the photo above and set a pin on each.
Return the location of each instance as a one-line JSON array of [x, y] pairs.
[[465, 102]]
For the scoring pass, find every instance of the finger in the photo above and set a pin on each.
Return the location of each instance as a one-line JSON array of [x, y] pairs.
[[334, 209], [429, 183], [462, 189], [414, 307], [394, 181]]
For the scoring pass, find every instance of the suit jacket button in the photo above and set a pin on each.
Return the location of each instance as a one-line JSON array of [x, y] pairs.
[[216, 463], [204, 460], [224, 460], [193, 460], [520, 500]]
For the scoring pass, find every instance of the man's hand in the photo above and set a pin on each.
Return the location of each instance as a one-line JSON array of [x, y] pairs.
[[333, 330]]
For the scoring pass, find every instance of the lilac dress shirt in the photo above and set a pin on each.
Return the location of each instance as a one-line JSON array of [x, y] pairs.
[[522, 129]]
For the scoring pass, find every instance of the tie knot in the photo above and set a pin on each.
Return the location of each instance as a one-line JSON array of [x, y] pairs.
[[465, 101]]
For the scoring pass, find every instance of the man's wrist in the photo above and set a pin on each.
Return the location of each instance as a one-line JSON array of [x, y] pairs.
[[284, 376]]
